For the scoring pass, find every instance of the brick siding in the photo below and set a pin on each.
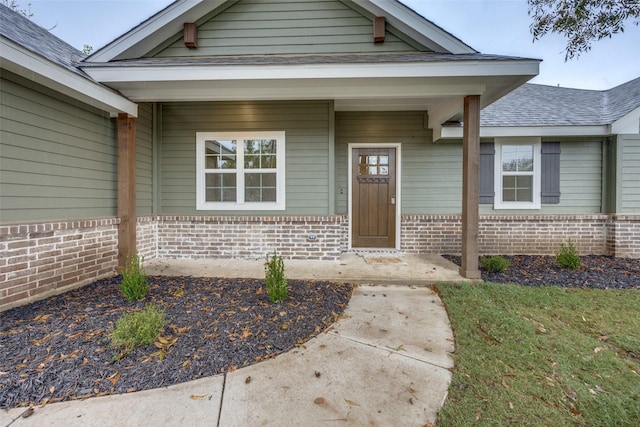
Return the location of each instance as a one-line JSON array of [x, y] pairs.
[[38, 260], [251, 237], [623, 236], [522, 234]]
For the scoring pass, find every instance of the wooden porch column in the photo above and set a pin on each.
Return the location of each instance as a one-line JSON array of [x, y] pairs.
[[126, 187], [470, 196]]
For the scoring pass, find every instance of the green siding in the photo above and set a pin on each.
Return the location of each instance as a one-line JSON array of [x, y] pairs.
[[306, 126], [262, 27], [144, 160], [58, 157], [630, 185]]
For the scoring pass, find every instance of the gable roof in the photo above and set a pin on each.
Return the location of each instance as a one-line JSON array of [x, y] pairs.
[[169, 21], [31, 51]]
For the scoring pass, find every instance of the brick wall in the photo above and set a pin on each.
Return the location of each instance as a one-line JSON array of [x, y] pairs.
[[38, 260], [517, 234], [624, 236], [251, 237], [147, 237]]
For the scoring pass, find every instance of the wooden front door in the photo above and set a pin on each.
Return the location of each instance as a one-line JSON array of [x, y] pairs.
[[374, 198]]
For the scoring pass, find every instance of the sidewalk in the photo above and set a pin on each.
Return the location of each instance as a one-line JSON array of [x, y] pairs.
[[384, 363]]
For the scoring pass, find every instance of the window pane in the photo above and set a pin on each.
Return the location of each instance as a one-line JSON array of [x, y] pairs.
[[517, 188], [220, 154], [517, 158], [251, 162], [524, 189], [260, 153], [508, 195], [384, 160], [373, 170], [384, 170], [269, 195], [260, 187], [220, 187], [268, 162]]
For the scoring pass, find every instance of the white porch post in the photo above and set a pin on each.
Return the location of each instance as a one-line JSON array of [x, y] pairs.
[[470, 196]]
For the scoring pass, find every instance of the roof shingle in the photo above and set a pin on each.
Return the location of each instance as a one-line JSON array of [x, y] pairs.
[[539, 105], [24, 32]]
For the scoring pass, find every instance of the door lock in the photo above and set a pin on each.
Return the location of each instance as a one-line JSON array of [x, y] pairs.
[[393, 199]]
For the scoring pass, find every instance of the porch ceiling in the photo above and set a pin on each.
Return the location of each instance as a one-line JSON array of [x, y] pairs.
[[425, 82]]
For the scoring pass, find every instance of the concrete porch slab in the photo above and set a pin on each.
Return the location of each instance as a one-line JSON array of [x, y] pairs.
[[354, 267]]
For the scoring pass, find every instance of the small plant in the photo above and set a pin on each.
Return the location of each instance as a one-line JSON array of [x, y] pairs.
[[274, 278], [568, 256], [134, 284], [136, 329], [494, 264]]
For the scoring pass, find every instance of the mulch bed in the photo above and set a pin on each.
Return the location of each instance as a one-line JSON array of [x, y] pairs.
[[596, 271], [58, 349]]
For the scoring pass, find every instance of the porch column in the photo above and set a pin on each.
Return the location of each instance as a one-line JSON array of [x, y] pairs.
[[126, 187], [470, 196]]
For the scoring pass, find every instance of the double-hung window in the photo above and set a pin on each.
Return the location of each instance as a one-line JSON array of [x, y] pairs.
[[240, 170], [517, 174]]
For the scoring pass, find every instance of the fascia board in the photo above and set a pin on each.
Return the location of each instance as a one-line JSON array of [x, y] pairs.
[[112, 74], [627, 124], [416, 26], [25, 63], [450, 132], [153, 31], [296, 90]]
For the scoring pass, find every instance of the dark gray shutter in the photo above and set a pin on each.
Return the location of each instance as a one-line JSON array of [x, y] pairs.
[[487, 154], [550, 159]]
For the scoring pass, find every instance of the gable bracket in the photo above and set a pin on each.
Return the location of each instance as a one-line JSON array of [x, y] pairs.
[[378, 29]]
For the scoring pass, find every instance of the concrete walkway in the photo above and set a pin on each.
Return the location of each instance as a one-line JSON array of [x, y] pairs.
[[386, 362]]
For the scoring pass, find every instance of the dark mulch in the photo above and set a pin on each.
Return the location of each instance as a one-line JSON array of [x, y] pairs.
[[596, 271], [58, 349]]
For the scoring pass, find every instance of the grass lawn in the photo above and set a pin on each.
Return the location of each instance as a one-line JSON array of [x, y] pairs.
[[543, 356]]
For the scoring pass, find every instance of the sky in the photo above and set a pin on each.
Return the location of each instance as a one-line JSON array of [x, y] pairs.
[[489, 26]]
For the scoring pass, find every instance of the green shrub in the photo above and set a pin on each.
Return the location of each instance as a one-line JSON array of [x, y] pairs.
[[568, 256], [274, 278], [494, 264], [136, 329], [134, 284]]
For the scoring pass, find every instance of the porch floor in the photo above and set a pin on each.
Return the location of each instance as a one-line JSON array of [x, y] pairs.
[[361, 267]]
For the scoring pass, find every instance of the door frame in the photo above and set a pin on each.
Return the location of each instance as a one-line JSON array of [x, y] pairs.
[[398, 147]]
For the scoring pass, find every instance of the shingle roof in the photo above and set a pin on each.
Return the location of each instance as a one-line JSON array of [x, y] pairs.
[[348, 58], [538, 105], [22, 31]]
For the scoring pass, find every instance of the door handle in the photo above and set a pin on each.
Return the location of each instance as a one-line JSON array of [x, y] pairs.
[[393, 199]]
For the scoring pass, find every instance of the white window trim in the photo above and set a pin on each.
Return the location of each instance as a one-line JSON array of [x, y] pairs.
[[537, 173], [240, 205]]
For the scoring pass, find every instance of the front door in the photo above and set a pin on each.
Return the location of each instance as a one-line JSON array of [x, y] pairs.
[[374, 198]]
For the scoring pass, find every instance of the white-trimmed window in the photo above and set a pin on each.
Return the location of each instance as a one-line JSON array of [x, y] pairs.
[[240, 170], [517, 173]]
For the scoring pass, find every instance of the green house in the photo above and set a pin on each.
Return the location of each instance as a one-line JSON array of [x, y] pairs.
[[228, 129]]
